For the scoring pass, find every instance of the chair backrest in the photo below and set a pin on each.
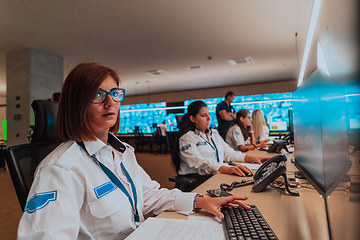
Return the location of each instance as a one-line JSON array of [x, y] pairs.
[[157, 135], [139, 135], [22, 161], [45, 120], [173, 144]]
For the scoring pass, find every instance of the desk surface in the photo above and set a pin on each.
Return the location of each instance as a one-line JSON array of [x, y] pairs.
[[290, 217]]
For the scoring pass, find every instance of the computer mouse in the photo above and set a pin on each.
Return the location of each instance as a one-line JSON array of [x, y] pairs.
[[250, 174]]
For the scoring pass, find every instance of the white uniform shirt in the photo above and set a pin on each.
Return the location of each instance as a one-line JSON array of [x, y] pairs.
[[198, 155], [72, 198], [163, 129], [264, 134], [235, 138]]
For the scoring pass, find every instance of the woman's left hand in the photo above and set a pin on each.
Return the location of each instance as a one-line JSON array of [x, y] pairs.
[[258, 160], [263, 143], [211, 205], [239, 170]]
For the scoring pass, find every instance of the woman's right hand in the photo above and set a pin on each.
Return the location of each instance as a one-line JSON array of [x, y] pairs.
[[238, 170], [211, 205], [263, 143]]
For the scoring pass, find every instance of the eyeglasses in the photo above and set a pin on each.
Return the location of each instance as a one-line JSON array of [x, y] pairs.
[[116, 94]]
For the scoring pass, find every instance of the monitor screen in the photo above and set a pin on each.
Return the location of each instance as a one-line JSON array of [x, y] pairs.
[[275, 107], [321, 136]]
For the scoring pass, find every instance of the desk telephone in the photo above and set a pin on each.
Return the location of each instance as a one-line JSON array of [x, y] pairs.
[[269, 171], [278, 146]]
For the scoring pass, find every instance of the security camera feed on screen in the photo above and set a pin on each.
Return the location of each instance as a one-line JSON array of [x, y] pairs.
[[275, 107], [147, 116]]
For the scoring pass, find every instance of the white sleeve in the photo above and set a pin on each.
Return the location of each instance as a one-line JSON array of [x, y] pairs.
[[53, 207], [265, 133], [237, 136], [230, 154], [157, 200], [191, 155]]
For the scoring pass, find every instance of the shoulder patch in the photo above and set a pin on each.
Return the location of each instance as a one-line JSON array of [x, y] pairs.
[[186, 147], [39, 201], [104, 189], [201, 144], [238, 133]]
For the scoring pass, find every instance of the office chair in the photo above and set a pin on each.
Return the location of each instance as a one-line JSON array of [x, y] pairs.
[[140, 140], [159, 140], [22, 160], [185, 183], [45, 119]]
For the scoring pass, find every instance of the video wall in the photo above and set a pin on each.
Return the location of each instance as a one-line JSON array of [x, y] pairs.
[[275, 107], [147, 116]]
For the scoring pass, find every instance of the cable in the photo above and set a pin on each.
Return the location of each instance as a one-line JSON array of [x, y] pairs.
[[228, 188]]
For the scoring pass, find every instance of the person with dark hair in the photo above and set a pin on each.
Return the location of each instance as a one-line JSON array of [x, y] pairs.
[[203, 151], [241, 134], [225, 114], [91, 186], [163, 128]]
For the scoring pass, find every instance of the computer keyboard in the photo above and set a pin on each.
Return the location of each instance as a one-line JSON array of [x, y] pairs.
[[244, 224]]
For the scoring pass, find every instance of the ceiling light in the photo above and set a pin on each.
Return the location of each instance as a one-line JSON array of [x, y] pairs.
[[314, 15], [195, 67], [241, 60], [156, 72]]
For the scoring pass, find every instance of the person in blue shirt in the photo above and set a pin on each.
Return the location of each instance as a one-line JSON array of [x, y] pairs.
[[225, 114]]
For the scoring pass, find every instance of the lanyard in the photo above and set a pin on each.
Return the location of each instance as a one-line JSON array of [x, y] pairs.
[[117, 182], [213, 147]]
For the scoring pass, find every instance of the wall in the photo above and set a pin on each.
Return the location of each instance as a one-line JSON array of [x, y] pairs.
[[337, 30], [30, 74], [249, 89]]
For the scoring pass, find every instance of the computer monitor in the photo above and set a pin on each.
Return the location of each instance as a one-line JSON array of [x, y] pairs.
[[320, 133], [320, 125]]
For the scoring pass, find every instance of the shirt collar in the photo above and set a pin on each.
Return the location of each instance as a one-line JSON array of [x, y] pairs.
[[197, 132], [94, 146]]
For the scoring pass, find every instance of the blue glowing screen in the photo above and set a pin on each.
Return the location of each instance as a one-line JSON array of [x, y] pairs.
[[275, 107]]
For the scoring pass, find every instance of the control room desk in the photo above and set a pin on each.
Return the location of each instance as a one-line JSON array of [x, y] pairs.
[[290, 217]]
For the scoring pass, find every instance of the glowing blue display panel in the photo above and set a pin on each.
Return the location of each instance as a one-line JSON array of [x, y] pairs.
[[321, 131], [352, 98], [275, 107]]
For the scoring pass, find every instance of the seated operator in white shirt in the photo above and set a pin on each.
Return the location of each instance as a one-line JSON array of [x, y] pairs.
[[240, 136], [261, 129], [202, 149], [91, 186]]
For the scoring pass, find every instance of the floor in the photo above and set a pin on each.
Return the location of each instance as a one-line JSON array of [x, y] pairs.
[[159, 167]]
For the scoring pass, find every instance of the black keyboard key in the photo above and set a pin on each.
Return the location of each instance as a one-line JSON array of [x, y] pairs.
[[244, 224]]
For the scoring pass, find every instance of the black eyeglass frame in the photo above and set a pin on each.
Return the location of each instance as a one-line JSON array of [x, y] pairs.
[[109, 93]]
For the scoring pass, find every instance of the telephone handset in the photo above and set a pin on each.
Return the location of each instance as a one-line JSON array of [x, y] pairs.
[[248, 128], [262, 169], [278, 146], [269, 171]]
